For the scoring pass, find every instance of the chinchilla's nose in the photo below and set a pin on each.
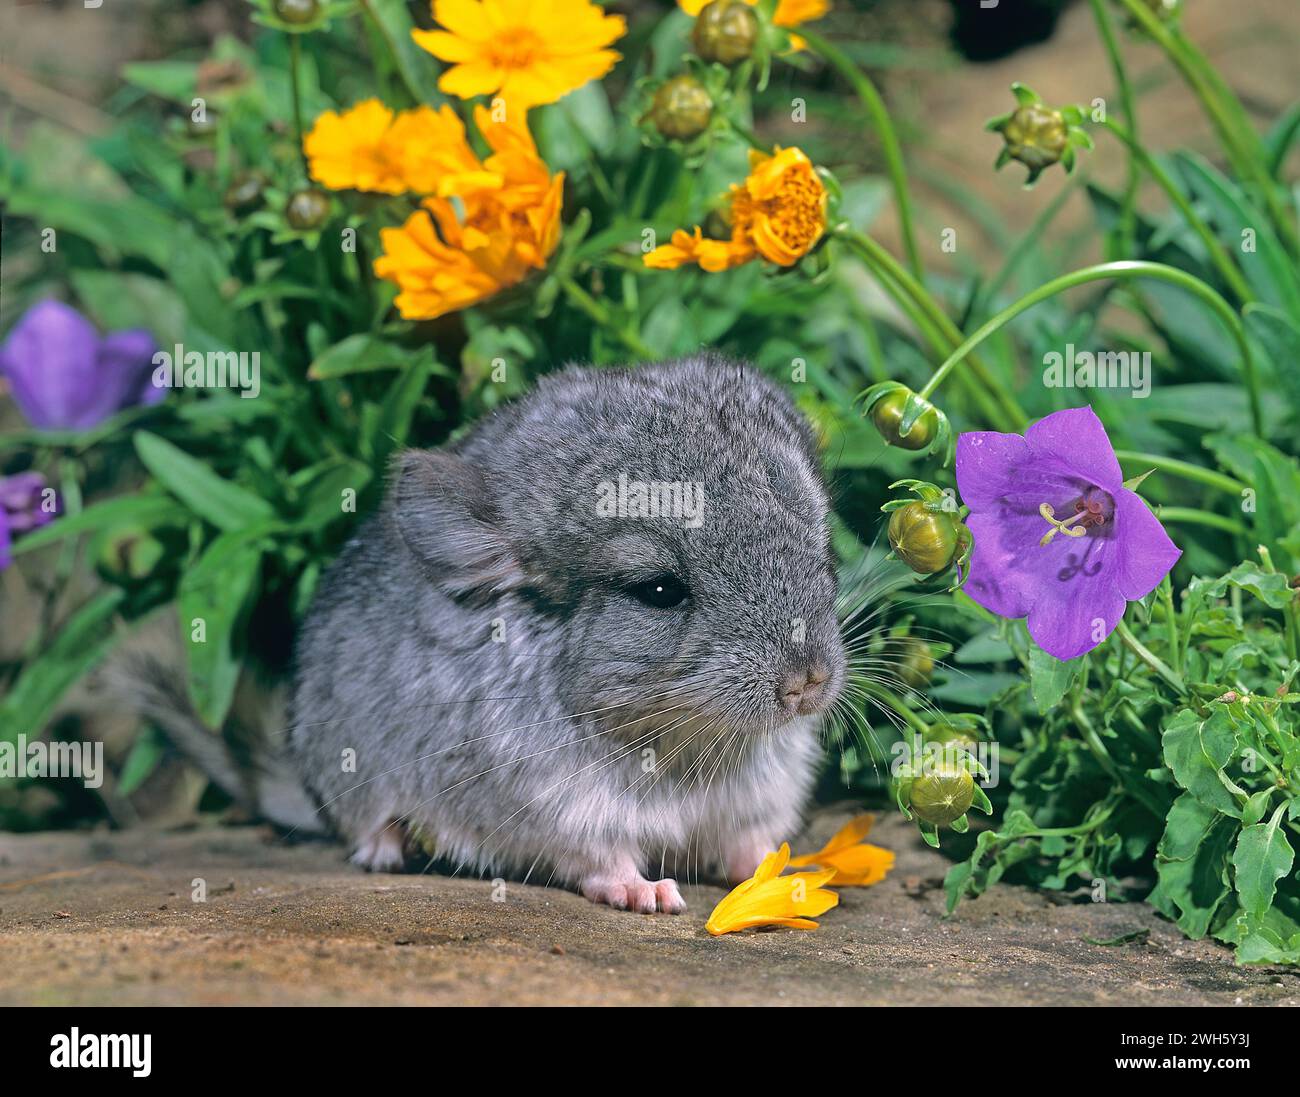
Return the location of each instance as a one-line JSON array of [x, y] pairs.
[[803, 691]]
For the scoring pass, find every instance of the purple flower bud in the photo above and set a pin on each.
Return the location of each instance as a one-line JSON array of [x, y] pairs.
[[24, 505], [64, 376], [1058, 538]]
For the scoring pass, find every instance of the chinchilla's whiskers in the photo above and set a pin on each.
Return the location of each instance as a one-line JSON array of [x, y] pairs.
[[611, 758], [556, 861], [677, 690]]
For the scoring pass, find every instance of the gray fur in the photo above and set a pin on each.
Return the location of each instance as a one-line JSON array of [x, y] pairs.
[[525, 757]]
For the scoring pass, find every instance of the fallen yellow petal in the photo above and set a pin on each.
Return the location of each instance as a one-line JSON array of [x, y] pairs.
[[770, 899], [855, 863]]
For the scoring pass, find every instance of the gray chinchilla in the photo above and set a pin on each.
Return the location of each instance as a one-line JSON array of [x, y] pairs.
[[588, 642]]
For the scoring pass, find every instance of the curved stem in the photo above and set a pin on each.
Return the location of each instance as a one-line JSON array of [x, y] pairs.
[[1285, 136], [884, 128], [1121, 270], [1150, 658], [1239, 140], [879, 259], [1218, 253], [1192, 516], [295, 61], [1128, 210], [1183, 469]]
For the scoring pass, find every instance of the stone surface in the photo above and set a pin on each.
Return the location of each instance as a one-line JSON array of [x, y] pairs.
[[109, 919]]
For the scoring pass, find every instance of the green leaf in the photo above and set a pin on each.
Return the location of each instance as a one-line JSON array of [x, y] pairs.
[[1051, 678], [1196, 751], [1191, 891], [80, 644], [220, 502], [418, 68], [143, 511], [1262, 857], [366, 354], [1186, 827], [216, 591], [146, 753], [1271, 588]]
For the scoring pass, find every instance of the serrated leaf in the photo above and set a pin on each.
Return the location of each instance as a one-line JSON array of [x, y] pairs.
[[1196, 751], [1050, 678]]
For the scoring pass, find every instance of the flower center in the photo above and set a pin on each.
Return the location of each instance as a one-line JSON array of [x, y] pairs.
[[1091, 510], [516, 49]]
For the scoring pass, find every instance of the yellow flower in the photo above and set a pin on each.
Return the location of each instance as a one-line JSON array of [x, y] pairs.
[[856, 863], [779, 213], [789, 13], [504, 224], [770, 899], [371, 148], [527, 51]]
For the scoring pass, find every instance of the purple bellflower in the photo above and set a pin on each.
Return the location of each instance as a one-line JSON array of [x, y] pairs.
[[64, 376], [1059, 539], [24, 505]]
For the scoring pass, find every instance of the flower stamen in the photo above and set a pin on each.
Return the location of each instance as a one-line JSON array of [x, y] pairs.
[[1067, 526]]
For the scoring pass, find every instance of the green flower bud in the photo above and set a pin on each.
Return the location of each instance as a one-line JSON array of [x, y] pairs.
[[681, 109], [131, 555], [942, 796], [296, 12], [887, 415], [926, 540], [916, 664], [1036, 135], [725, 31], [307, 209], [245, 191]]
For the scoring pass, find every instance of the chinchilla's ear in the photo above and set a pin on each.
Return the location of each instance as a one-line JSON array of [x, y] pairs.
[[442, 510]]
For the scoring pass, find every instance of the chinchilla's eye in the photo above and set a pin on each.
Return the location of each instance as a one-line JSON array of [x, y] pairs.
[[662, 592]]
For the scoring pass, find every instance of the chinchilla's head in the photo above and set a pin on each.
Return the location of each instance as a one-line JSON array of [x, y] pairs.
[[666, 526]]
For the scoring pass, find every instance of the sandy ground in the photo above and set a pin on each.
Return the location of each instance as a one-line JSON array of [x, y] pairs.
[[109, 919]]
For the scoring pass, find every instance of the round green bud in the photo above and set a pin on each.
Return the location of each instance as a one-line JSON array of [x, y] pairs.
[[887, 415], [725, 31], [924, 539], [681, 109], [307, 209], [296, 12], [942, 796]]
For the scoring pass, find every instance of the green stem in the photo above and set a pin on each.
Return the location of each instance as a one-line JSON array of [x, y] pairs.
[[295, 61], [594, 309], [1128, 210], [1239, 140], [1285, 136], [1121, 270], [1195, 517], [1218, 253], [884, 127], [1183, 469], [1010, 415], [1151, 659]]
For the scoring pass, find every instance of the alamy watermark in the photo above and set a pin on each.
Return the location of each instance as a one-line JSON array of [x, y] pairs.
[[679, 499], [217, 369], [1106, 369], [81, 761]]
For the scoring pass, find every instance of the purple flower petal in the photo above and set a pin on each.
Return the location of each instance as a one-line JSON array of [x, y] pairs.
[[1148, 554], [5, 558], [126, 368], [1076, 438], [996, 581], [1068, 627], [986, 460], [49, 359]]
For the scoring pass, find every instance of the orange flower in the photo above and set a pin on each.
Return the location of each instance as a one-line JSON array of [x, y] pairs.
[[856, 863], [505, 224], [779, 213], [770, 899], [527, 52], [370, 148]]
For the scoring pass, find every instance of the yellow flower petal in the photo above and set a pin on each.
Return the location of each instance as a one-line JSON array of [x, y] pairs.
[[854, 863], [526, 52], [770, 899]]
